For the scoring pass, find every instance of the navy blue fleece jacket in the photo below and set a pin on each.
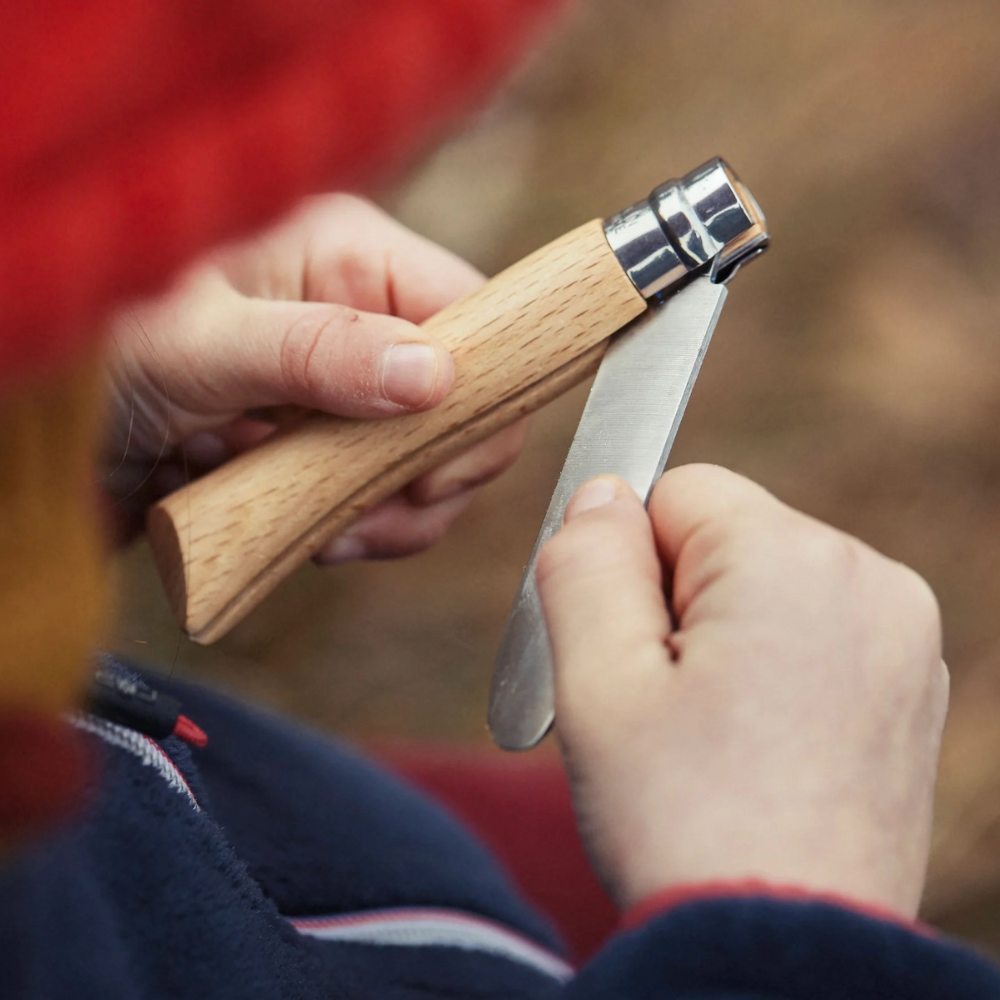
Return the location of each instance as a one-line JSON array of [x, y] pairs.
[[276, 863]]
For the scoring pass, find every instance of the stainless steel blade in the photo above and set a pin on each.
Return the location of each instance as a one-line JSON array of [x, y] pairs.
[[627, 428]]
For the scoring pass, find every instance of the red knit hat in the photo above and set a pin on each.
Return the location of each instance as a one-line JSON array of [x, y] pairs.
[[137, 132]]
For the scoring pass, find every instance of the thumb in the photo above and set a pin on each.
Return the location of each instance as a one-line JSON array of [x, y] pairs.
[[601, 587], [321, 356]]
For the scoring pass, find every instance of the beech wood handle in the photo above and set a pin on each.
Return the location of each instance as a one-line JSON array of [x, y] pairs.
[[538, 328]]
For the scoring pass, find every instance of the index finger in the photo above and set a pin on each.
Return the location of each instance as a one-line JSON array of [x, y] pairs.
[[360, 256], [696, 510]]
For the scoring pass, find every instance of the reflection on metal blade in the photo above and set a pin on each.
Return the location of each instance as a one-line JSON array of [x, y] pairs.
[[627, 428]]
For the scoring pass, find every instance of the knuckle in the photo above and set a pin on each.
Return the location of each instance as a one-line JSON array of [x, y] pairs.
[[823, 548], [340, 203], [747, 529], [920, 593], [848, 556], [919, 605], [878, 580], [298, 345], [309, 346], [907, 612], [581, 549], [747, 538], [357, 203]]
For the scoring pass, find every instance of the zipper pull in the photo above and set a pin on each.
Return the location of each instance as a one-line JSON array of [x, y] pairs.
[[128, 701]]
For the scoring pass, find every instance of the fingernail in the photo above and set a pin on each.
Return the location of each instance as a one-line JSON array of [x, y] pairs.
[[596, 493], [344, 549], [410, 374]]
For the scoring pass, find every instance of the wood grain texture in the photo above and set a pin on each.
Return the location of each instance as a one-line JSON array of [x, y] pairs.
[[532, 332]]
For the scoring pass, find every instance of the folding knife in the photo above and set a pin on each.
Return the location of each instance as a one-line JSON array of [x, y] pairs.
[[680, 247], [536, 329]]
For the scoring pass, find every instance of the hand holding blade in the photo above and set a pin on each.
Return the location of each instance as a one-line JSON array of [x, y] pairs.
[[691, 235]]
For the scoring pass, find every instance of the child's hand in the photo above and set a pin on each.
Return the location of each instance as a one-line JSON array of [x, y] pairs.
[[786, 729], [319, 313]]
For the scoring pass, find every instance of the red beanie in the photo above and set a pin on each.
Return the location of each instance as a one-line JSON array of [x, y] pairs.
[[138, 132]]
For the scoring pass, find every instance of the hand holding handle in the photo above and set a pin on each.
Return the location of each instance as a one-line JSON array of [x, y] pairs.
[[226, 540]]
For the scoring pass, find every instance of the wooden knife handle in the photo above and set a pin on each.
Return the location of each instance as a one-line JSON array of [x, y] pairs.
[[225, 541]]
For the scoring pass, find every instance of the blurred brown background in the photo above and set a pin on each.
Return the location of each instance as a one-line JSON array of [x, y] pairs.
[[855, 372]]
